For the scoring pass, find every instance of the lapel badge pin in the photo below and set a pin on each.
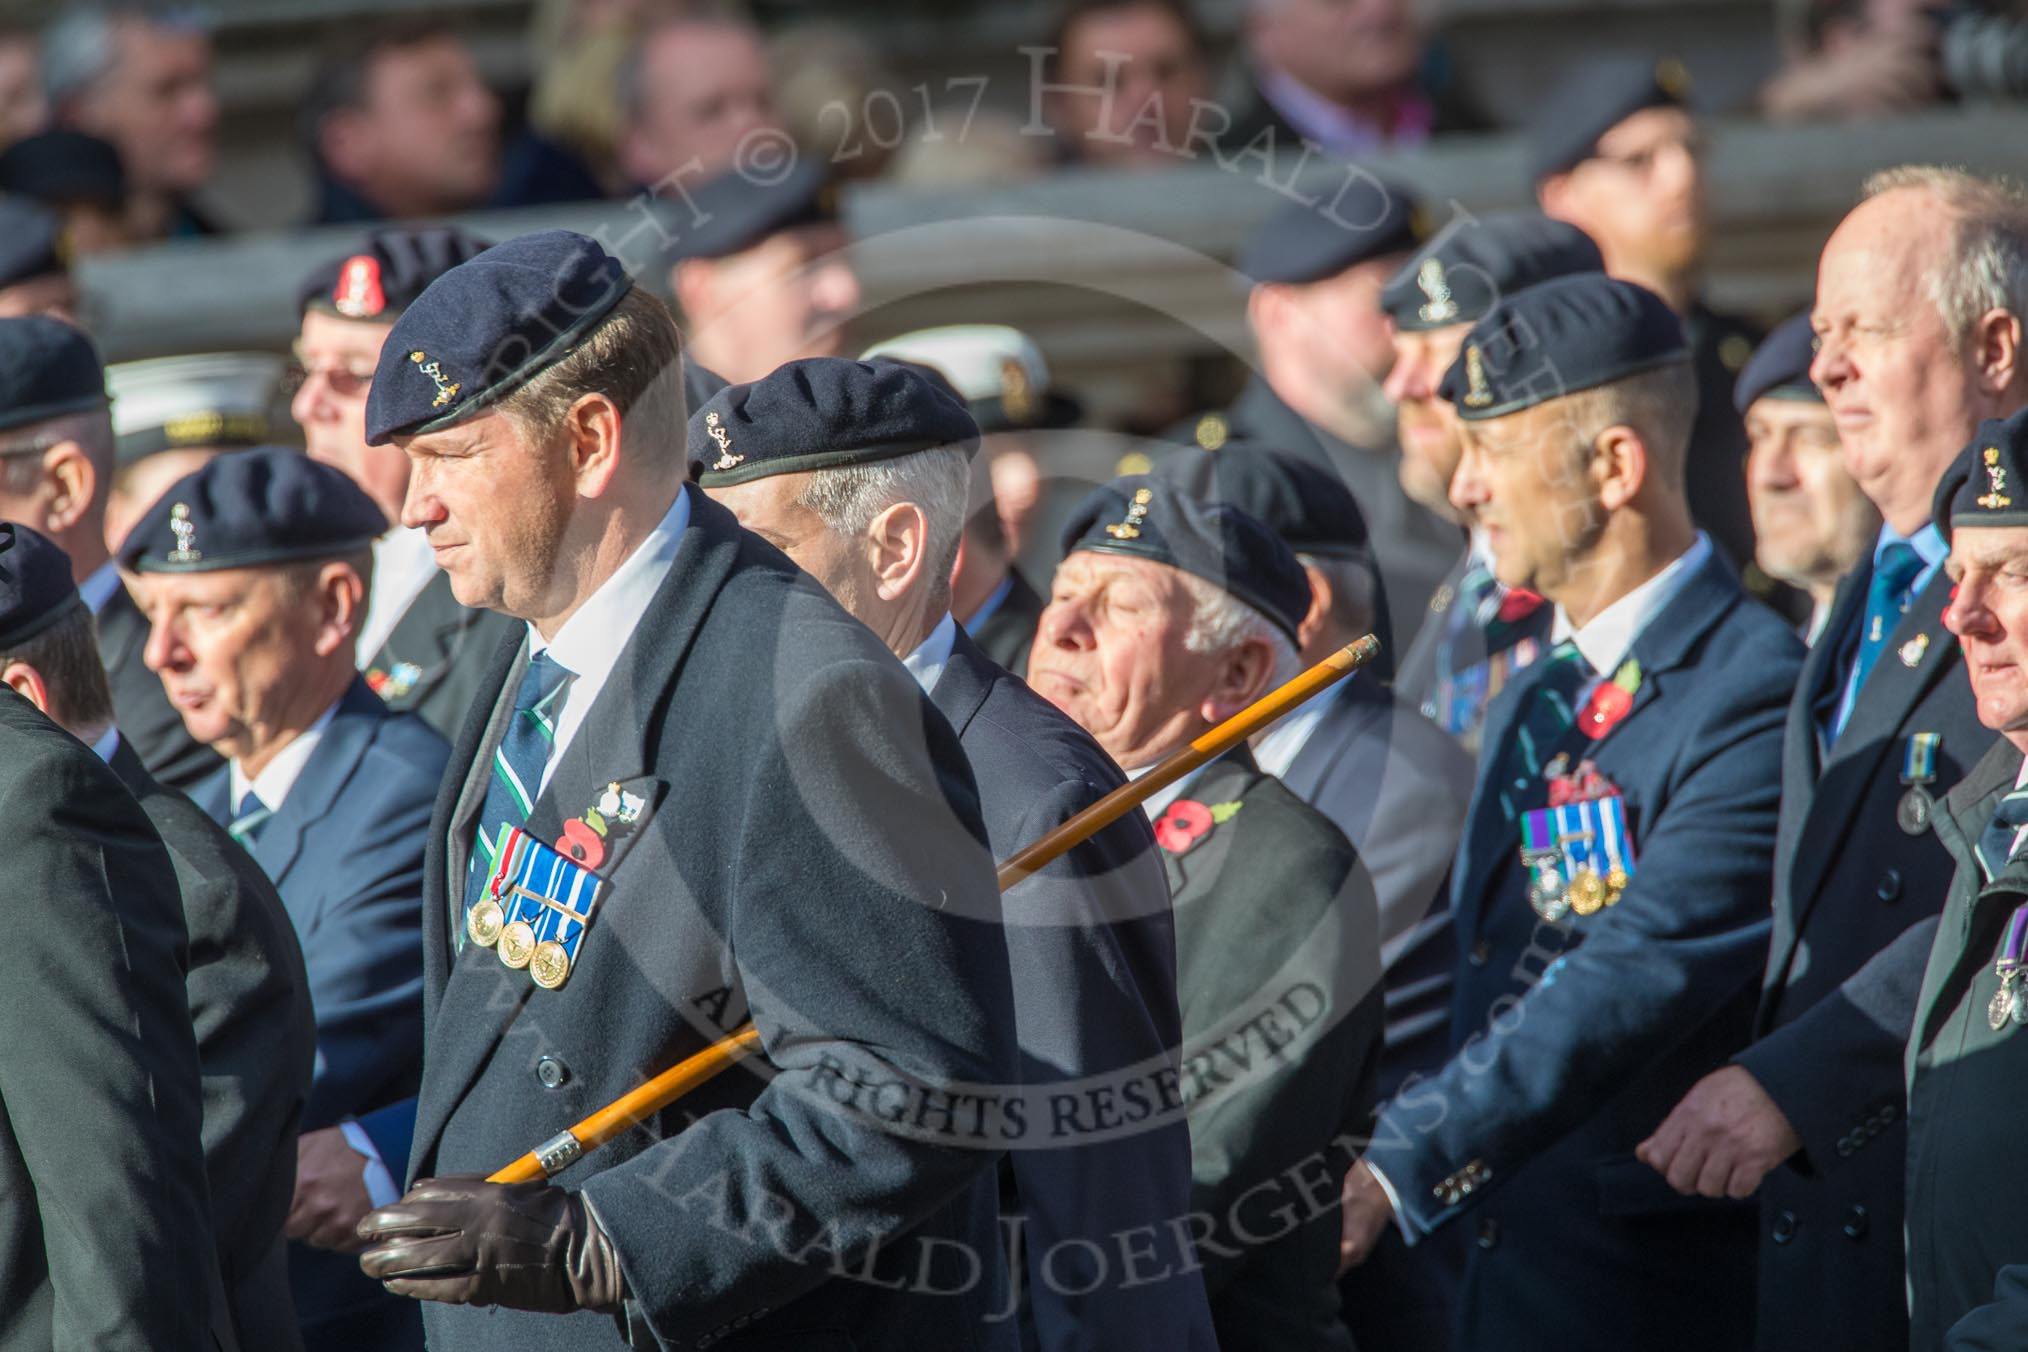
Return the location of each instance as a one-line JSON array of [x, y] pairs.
[[1912, 651], [1478, 395], [1996, 477], [726, 459], [447, 389], [1442, 308], [1129, 526], [185, 531]]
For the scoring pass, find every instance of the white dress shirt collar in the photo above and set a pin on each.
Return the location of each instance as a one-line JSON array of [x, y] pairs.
[[403, 564], [1279, 746], [1158, 802], [272, 784], [1605, 640], [933, 654]]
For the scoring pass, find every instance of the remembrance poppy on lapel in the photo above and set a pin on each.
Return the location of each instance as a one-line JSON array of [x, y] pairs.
[[1182, 826], [1611, 701], [1518, 604], [582, 844]]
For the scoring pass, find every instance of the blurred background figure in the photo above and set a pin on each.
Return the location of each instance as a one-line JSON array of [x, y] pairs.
[[822, 68], [401, 126], [171, 415], [23, 108], [1121, 79], [138, 73], [1811, 524], [693, 87], [80, 178], [1616, 151], [34, 267], [1855, 58], [759, 271], [579, 47], [1354, 76]]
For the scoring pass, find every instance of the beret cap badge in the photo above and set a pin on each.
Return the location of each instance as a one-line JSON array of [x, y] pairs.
[[1996, 477], [1478, 395], [185, 531], [1442, 307], [726, 459], [358, 294], [447, 390], [1017, 395], [1129, 528]]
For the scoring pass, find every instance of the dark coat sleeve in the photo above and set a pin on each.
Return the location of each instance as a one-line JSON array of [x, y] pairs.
[[859, 902], [1834, 1067], [100, 1081], [2000, 1325]]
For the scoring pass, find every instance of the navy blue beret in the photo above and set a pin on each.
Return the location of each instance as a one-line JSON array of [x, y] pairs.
[[823, 413], [63, 167], [487, 327], [1559, 337], [1299, 243], [1780, 367], [31, 241], [699, 383], [1290, 494], [1985, 486], [1593, 99], [1145, 518], [47, 368], [247, 509], [736, 210], [388, 271], [1475, 261], [35, 585]]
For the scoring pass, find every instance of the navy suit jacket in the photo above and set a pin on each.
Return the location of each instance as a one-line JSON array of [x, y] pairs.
[[1577, 1037], [1092, 951], [345, 850], [1855, 906]]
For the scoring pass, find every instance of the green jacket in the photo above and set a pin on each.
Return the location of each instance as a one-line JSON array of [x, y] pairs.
[[1967, 1082]]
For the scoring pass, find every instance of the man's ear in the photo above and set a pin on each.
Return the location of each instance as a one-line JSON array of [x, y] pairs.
[[1995, 351], [26, 682], [75, 481], [1621, 464], [898, 540], [1322, 598], [1242, 677], [340, 598], [593, 428]]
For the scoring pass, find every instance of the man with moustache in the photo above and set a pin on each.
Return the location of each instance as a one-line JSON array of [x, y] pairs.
[[1609, 892], [1615, 150], [1918, 337], [1475, 635], [1811, 524]]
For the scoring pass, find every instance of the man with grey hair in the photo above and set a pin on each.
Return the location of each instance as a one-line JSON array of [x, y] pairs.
[[876, 517], [137, 73], [1167, 616], [1920, 296], [692, 89]]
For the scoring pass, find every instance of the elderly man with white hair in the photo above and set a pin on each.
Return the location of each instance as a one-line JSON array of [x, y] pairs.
[[875, 515], [1167, 616]]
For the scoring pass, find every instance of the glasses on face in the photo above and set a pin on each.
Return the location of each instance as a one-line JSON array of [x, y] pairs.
[[343, 380]]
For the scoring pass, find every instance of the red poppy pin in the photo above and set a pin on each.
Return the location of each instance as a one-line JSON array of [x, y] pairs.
[[1611, 701], [1188, 821], [614, 814], [1518, 604]]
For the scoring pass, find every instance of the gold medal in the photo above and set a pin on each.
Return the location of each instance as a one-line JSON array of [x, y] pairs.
[[1587, 892], [517, 944], [1616, 883], [483, 922], [550, 965]]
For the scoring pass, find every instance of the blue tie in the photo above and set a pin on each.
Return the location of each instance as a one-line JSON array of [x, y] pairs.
[[517, 772], [247, 822], [1886, 599], [1996, 845]]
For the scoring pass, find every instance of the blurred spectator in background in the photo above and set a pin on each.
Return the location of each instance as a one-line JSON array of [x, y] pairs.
[[990, 150], [23, 109], [694, 86], [824, 68], [759, 273], [579, 47], [1615, 151], [1120, 79], [401, 125], [1855, 58], [80, 178], [1355, 76], [1811, 524], [138, 73], [34, 273], [171, 415]]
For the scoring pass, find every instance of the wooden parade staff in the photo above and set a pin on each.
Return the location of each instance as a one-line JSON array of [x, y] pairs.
[[564, 1149]]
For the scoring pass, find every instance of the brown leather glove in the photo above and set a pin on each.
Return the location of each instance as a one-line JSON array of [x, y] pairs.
[[464, 1241]]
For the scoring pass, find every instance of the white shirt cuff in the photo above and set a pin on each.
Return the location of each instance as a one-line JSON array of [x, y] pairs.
[[1408, 1234], [380, 1189]]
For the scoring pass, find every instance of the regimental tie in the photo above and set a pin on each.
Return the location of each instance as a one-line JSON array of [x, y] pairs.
[[1886, 598], [1996, 844], [1541, 727], [245, 826], [517, 773]]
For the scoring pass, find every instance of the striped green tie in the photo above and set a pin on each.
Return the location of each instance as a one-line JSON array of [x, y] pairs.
[[1542, 726], [247, 822], [517, 772]]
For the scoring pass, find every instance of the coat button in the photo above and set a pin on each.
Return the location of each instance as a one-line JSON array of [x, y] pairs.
[[552, 1073], [1846, 1145], [1784, 1228], [1890, 885], [1489, 1234], [1856, 1223], [1481, 954]]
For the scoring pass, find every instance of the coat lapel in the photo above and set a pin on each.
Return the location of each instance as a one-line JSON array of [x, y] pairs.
[[962, 688], [322, 784], [1224, 780]]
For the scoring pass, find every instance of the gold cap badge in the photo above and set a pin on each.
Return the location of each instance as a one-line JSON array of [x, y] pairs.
[[1129, 528], [1017, 395], [726, 459], [1477, 395], [447, 389], [1441, 309], [1996, 478], [185, 531]]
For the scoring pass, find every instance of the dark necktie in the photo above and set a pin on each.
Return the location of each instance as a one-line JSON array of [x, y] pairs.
[[247, 822], [1886, 598], [517, 773], [1996, 845], [1542, 726]]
